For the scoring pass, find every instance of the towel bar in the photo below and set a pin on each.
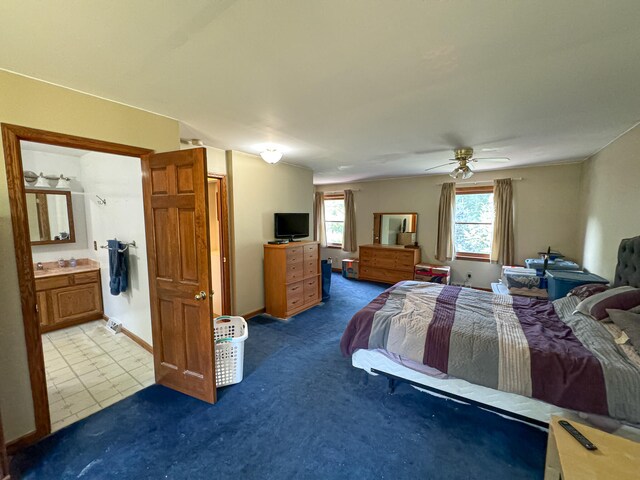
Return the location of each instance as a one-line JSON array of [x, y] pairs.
[[128, 244]]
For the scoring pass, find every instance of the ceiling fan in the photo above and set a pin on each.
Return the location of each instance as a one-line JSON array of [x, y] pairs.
[[463, 157]]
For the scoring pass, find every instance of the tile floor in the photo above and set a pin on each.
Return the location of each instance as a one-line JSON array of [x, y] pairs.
[[89, 368]]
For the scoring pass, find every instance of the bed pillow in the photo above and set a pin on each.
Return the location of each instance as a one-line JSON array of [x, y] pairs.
[[619, 298], [585, 291], [629, 323]]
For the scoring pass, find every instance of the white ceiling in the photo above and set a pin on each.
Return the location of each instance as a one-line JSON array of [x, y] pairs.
[[352, 89]]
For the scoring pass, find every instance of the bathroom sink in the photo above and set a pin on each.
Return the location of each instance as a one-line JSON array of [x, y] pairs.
[[52, 269]]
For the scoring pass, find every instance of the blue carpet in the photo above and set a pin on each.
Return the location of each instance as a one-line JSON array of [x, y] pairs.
[[302, 411]]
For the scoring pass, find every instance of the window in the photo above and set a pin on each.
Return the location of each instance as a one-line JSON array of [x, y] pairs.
[[473, 230], [334, 219]]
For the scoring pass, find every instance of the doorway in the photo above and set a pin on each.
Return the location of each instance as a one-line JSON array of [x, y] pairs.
[[199, 342], [218, 235], [79, 203]]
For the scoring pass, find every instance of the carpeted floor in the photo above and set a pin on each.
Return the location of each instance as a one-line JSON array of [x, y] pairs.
[[302, 411]]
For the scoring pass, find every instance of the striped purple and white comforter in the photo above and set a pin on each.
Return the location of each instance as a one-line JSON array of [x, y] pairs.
[[520, 345]]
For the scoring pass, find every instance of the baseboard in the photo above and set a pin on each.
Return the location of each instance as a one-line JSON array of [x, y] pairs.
[[255, 313], [24, 441], [133, 337], [137, 339]]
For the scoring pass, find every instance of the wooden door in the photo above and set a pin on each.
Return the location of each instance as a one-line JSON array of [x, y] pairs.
[[175, 202]]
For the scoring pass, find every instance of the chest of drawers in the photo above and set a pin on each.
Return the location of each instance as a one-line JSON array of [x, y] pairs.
[[291, 278], [387, 263]]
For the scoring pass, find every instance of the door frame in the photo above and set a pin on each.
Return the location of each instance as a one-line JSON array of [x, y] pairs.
[[11, 137], [224, 242]]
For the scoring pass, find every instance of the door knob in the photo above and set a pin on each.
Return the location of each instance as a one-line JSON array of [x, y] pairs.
[[201, 296]]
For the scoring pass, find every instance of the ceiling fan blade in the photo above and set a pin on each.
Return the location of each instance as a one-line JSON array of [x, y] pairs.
[[439, 166], [494, 160]]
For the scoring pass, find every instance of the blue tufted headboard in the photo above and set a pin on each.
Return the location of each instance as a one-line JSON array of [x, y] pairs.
[[628, 268]]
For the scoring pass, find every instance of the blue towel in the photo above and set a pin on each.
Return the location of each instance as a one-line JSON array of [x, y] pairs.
[[118, 267]]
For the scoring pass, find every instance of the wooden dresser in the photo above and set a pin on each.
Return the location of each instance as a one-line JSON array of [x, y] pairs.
[[291, 278], [387, 263], [67, 299]]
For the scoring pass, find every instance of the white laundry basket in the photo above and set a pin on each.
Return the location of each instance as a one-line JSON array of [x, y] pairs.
[[229, 336]]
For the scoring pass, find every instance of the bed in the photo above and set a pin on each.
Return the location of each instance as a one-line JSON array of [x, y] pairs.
[[522, 357]]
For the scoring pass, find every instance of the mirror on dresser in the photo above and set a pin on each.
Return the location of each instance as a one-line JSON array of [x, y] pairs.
[[395, 228], [50, 216]]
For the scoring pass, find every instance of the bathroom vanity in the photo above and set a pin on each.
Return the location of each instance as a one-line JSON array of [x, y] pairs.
[[68, 295]]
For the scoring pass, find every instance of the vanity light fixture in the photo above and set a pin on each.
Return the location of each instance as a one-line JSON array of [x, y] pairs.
[[271, 155], [63, 182], [42, 182]]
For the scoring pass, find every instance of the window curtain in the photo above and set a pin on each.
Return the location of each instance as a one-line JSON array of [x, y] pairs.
[[319, 227], [349, 242], [502, 249], [444, 242]]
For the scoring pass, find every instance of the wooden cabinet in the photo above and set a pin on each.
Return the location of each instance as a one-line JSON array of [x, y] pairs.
[[387, 263], [69, 299], [291, 278]]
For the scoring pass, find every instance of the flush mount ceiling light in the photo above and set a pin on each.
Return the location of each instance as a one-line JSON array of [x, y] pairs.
[[271, 155]]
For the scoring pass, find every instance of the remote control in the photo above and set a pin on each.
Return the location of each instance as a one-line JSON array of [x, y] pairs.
[[584, 441]]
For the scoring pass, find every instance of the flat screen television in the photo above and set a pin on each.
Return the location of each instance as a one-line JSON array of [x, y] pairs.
[[291, 225]]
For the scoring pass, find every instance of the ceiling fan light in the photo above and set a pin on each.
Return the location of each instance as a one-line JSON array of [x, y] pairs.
[[271, 155], [461, 173]]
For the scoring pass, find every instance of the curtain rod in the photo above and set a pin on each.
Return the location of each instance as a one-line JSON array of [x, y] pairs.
[[341, 191], [480, 181]]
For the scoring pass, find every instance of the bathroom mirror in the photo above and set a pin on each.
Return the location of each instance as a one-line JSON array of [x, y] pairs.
[[395, 228], [50, 217]]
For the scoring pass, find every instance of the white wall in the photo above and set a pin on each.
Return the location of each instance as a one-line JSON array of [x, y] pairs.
[[118, 180], [258, 190], [216, 159], [41, 105], [610, 200], [55, 164], [546, 203]]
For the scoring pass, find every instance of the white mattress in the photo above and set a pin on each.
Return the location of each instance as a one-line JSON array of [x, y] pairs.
[[509, 402]]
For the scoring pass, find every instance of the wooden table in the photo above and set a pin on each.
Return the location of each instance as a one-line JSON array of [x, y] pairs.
[[616, 457]]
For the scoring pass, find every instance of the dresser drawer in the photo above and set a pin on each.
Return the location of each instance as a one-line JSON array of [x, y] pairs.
[[295, 301], [53, 282], [310, 268], [366, 254], [295, 289], [295, 255], [311, 252], [405, 262], [311, 289], [372, 273], [86, 277], [383, 262], [295, 272]]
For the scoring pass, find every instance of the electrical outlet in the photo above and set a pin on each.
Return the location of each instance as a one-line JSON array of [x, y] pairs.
[[114, 326]]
